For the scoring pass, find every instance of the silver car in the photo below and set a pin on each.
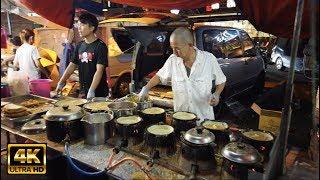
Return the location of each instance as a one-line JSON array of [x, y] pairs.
[[282, 60]]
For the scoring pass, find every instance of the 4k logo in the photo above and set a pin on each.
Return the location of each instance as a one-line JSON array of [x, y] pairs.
[[27, 158]]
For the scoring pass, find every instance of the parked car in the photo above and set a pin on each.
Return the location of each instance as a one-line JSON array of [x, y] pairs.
[[237, 55], [120, 51], [282, 59]]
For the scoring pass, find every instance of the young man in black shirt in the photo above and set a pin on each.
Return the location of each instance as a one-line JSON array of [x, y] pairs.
[[90, 57]]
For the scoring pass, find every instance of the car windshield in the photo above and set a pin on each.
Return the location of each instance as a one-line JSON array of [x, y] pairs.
[[124, 40], [228, 43]]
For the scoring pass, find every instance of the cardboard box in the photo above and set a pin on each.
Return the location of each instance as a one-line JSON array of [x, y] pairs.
[[269, 120]]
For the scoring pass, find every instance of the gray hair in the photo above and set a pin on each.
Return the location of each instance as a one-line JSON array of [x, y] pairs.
[[182, 35]]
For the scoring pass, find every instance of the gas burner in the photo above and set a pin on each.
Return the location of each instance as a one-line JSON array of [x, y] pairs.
[[158, 152], [125, 142], [203, 167]]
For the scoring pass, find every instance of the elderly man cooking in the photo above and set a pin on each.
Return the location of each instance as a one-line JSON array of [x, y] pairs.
[[191, 72]]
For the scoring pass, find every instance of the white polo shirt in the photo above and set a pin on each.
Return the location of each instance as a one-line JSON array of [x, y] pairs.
[[193, 93], [26, 56]]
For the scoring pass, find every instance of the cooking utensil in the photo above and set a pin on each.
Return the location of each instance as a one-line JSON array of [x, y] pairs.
[[261, 140], [220, 130], [238, 158], [183, 124], [71, 102], [5, 90], [128, 125], [152, 116], [98, 127], [34, 126], [124, 108], [159, 135], [97, 106], [198, 144], [61, 121], [141, 105]]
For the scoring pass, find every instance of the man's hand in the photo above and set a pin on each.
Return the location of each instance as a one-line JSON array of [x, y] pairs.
[[60, 86], [90, 94], [143, 93], [214, 99]]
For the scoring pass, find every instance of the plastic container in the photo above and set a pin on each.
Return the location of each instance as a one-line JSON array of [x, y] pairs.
[[41, 87], [5, 90]]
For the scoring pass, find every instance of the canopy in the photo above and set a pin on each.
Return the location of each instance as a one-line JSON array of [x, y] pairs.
[[272, 16], [276, 17]]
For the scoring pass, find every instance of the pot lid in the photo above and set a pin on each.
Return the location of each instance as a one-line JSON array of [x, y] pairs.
[[34, 125], [64, 113], [71, 102], [199, 135], [241, 153]]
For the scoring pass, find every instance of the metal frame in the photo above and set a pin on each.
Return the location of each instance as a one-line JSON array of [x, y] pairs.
[[276, 166]]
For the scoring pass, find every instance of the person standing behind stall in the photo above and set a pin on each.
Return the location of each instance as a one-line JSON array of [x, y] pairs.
[[16, 42], [68, 49], [27, 57], [90, 56], [191, 72]]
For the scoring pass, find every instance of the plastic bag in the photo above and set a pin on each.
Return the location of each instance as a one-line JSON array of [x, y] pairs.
[[18, 82]]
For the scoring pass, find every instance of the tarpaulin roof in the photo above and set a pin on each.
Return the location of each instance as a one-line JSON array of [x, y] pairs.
[[62, 11], [272, 16], [168, 4], [276, 17]]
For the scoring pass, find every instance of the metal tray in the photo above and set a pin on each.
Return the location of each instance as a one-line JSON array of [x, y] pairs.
[[35, 112]]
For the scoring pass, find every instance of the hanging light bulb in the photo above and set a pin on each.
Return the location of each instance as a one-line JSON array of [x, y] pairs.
[[175, 11], [215, 6]]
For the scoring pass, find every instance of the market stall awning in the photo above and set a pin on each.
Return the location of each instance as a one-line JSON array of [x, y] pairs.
[[168, 4], [272, 16], [276, 17], [62, 11]]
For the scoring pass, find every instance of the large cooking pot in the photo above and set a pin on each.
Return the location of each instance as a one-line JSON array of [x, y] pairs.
[[71, 102], [219, 129], [96, 106], [5, 90], [152, 116], [238, 158], [124, 108], [159, 135], [98, 128], [198, 144], [141, 105], [127, 126], [183, 121], [62, 121], [261, 140]]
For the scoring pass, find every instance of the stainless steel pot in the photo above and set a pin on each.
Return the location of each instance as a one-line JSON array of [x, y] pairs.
[[198, 144], [62, 121], [141, 105], [238, 158], [124, 108], [98, 127]]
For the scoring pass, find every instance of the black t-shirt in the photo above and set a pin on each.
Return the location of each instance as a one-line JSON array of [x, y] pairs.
[[87, 56]]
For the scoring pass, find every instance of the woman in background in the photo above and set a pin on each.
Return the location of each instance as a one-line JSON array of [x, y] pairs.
[[27, 57]]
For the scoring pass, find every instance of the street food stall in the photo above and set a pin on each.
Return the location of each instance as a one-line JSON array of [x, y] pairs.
[[126, 138]]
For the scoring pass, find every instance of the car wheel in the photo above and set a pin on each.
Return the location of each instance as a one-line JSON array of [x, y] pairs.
[[122, 87], [279, 64]]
